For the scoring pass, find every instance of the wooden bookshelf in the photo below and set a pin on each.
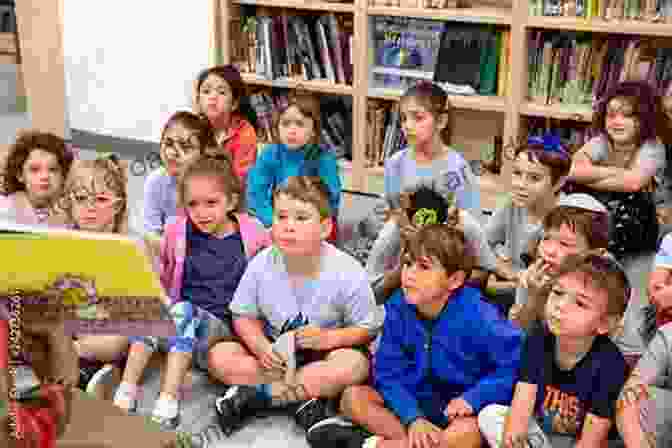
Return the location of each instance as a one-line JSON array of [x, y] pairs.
[[574, 112], [469, 102], [635, 27], [309, 5], [498, 16], [289, 83]]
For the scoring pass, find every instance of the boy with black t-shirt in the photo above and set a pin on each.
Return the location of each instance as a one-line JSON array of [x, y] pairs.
[[571, 372]]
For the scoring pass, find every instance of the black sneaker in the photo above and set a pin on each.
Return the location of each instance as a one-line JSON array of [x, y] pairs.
[[336, 432], [311, 412], [236, 405], [87, 372]]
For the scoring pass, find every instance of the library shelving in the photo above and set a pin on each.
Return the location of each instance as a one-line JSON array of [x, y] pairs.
[[477, 117]]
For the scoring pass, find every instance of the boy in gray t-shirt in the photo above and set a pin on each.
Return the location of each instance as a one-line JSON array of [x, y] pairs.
[[305, 315]]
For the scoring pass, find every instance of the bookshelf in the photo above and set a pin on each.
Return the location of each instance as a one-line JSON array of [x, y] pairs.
[[477, 117]]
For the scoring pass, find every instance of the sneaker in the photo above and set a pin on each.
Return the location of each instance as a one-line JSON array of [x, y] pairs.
[[236, 405], [104, 382], [210, 437], [337, 432], [310, 413], [86, 371]]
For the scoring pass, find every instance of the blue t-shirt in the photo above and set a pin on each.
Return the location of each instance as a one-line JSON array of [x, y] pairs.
[[212, 269], [564, 397]]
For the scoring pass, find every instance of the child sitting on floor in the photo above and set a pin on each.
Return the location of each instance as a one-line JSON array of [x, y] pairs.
[[444, 354], [306, 287], [578, 223], [203, 257], [643, 414], [297, 153], [221, 97], [539, 170], [36, 167], [427, 206], [571, 372], [185, 136], [95, 200]]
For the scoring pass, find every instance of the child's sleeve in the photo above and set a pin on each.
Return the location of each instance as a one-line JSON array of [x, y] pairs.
[[651, 157], [486, 259], [664, 255], [608, 385], [502, 344], [329, 174], [468, 197], [391, 365], [360, 308], [495, 229], [597, 149], [260, 185], [152, 212], [655, 365], [245, 301], [245, 152], [392, 179]]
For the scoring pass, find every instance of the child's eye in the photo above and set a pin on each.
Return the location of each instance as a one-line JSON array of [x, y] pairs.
[[516, 173], [535, 178], [213, 202]]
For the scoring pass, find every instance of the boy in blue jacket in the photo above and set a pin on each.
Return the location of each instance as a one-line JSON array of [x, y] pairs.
[[444, 355]]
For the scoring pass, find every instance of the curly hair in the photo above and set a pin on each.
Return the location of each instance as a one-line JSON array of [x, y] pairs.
[[646, 107], [196, 123], [113, 172], [218, 167], [19, 152]]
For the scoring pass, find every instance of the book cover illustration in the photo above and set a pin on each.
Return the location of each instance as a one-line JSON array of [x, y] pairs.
[[105, 284]]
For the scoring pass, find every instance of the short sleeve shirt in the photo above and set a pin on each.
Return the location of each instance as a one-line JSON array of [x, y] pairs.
[[651, 155], [565, 397], [340, 297]]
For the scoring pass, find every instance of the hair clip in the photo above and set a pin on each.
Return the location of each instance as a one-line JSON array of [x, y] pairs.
[[550, 142]]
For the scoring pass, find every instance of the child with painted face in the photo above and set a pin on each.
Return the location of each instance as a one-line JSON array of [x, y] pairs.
[[185, 136], [444, 355], [306, 289], [36, 168], [428, 160], [221, 97], [297, 153], [427, 206], [203, 257], [643, 417], [578, 223], [539, 170], [571, 372]]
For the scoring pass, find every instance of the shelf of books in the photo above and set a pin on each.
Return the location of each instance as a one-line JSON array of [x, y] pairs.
[[470, 102], [596, 25], [560, 111], [317, 85], [498, 16], [306, 5]]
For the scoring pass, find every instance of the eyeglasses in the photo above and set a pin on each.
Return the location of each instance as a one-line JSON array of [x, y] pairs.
[[92, 200]]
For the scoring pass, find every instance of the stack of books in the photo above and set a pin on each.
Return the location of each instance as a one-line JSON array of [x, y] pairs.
[[649, 10], [577, 68]]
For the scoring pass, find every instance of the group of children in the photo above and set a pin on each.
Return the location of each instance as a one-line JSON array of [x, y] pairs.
[[414, 348]]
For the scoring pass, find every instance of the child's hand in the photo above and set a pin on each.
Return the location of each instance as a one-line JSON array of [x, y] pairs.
[[536, 278], [314, 338], [515, 441], [270, 359], [423, 434], [458, 407]]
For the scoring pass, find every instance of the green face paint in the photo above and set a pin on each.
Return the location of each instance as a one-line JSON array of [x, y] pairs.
[[424, 217]]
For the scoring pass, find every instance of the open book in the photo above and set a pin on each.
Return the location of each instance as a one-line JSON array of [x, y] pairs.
[[104, 283]]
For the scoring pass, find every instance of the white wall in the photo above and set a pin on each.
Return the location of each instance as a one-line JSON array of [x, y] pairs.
[[129, 64]]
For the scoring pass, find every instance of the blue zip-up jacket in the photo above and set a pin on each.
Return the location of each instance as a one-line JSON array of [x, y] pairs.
[[276, 163], [468, 351]]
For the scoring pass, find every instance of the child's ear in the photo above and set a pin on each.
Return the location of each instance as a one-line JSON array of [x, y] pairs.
[[442, 120], [559, 184], [234, 199], [327, 225], [612, 325], [457, 279], [235, 104]]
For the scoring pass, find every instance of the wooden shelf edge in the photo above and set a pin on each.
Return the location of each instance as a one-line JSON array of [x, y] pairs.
[[7, 43], [575, 112], [315, 85], [313, 6], [600, 26], [473, 15], [469, 102]]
